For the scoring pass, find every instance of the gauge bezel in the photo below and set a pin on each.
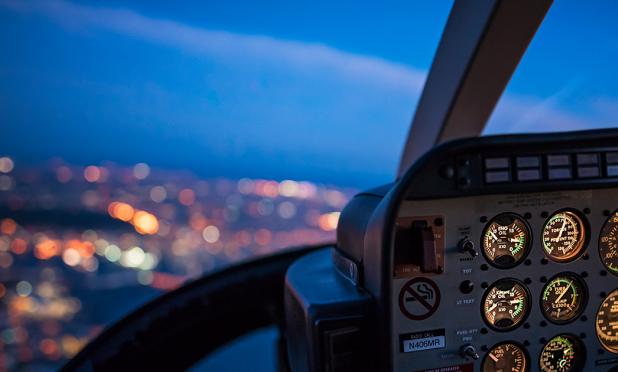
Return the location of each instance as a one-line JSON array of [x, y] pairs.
[[586, 297], [585, 229], [526, 310], [518, 344], [577, 342], [596, 318], [605, 224], [527, 247]]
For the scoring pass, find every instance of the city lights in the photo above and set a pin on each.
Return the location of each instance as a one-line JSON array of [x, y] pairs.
[[130, 228]]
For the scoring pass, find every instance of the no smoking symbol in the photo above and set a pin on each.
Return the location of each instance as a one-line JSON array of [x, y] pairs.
[[419, 298]]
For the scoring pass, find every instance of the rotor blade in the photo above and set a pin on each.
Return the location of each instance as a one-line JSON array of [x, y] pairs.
[[481, 46]]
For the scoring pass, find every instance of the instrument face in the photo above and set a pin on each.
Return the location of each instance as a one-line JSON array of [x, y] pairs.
[[506, 304], [562, 353], [506, 240], [507, 356], [563, 298], [607, 322], [564, 236], [608, 244]]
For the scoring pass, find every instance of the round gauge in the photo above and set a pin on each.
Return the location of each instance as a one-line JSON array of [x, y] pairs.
[[564, 236], [564, 298], [506, 304], [563, 353], [506, 240], [608, 244], [506, 357], [607, 322]]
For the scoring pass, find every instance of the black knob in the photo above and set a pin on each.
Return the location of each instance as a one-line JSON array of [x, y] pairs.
[[466, 286], [469, 351], [467, 246]]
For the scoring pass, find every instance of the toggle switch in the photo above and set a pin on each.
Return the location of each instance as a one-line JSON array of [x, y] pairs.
[[467, 246], [468, 351]]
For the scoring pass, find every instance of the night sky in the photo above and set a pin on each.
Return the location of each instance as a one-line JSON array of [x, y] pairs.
[[317, 91]]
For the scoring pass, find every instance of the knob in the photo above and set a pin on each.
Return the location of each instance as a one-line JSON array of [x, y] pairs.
[[468, 351], [467, 246], [466, 286]]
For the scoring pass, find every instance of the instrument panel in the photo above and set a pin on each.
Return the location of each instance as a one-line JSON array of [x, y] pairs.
[[525, 282]]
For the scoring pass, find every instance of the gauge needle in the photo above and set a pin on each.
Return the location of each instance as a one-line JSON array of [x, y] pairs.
[[492, 307], [493, 357], [564, 292], [561, 231], [493, 235]]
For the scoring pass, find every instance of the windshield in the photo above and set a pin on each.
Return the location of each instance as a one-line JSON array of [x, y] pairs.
[[567, 78], [147, 143]]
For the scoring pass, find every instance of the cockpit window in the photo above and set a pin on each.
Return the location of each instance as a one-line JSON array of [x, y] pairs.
[[144, 144], [567, 78]]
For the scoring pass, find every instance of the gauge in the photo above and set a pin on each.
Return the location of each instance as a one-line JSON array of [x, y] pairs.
[[506, 304], [564, 236], [506, 240], [608, 244], [506, 357], [607, 322], [564, 298], [563, 353]]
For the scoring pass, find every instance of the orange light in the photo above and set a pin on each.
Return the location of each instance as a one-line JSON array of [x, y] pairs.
[[49, 347], [64, 174], [8, 226], [19, 246], [46, 249], [198, 222], [111, 209], [145, 223], [186, 197], [263, 237], [92, 173], [329, 221], [123, 211]]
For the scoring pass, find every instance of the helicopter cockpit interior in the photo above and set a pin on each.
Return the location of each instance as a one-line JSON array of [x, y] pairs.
[[487, 253]]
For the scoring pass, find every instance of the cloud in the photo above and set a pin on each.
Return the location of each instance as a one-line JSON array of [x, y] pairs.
[[225, 44], [399, 83]]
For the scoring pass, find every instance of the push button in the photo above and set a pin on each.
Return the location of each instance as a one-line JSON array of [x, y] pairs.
[[497, 177], [558, 160], [588, 172], [560, 174], [587, 159], [496, 163], [528, 162]]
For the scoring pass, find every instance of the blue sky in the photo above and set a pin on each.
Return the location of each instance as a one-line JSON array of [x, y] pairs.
[[316, 91]]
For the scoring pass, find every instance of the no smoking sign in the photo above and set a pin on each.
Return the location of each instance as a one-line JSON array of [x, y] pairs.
[[419, 298]]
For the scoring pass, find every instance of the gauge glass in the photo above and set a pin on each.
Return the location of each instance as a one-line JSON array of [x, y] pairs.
[[563, 353], [607, 322], [506, 240], [608, 244], [506, 304], [505, 357], [564, 298], [564, 236]]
